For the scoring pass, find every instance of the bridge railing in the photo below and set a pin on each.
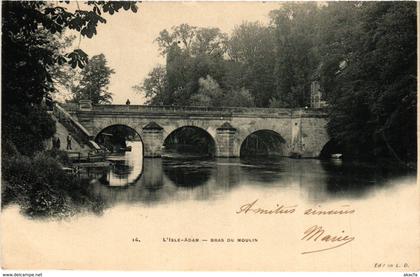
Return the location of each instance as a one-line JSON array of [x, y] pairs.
[[184, 109], [74, 108]]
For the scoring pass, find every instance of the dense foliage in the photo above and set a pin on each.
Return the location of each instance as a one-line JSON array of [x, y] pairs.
[[373, 95]]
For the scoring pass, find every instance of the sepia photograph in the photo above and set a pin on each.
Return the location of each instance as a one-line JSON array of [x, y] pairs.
[[209, 136]]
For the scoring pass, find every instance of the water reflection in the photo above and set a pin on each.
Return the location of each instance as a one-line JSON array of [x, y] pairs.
[[133, 179], [356, 179], [126, 166], [188, 173]]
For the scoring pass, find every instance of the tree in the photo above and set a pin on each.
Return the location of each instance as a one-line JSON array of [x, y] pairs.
[[65, 78], [295, 28], [191, 53], [252, 45], [209, 41], [94, 82], [178, 76], [182, 35], [193, 40], [154, 86], [335, 41]]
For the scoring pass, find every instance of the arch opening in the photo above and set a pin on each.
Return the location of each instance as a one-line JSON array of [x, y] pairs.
[[117, 138], [331, 150], [263, 143], [126, 155], [189, 142]]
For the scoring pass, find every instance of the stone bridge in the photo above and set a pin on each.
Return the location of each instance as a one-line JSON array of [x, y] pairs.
[[303, 130]]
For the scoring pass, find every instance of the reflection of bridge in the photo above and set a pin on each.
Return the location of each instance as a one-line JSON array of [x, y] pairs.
[[302, 130]]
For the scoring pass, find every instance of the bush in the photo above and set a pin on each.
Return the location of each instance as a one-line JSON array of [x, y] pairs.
[[8, 149], [42, 188], [239, 98]]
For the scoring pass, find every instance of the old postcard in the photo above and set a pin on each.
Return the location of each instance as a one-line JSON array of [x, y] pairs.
[[209, 136]]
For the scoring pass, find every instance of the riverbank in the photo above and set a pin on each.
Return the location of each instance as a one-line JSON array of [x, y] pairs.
[[42, 188]]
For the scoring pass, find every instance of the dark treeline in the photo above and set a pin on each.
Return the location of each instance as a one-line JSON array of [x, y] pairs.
[[363, 54]]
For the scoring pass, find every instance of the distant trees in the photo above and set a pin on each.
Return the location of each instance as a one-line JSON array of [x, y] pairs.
[[154, 86], [259, 64], [195, 69], [94, 81]]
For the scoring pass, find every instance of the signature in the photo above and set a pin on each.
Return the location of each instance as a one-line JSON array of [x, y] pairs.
[[278, 209], [318, 234]]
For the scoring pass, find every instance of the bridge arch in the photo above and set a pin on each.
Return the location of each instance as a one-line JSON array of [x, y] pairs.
[[190, 138], [118, 131], [330, 148], [263, 142]]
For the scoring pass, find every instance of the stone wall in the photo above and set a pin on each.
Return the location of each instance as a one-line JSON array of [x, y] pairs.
[[314, 136]]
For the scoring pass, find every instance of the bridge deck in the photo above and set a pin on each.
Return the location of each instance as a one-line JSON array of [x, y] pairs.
[[198, 110]]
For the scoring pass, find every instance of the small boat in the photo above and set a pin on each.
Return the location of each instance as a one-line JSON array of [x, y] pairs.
[[123, 149], [86, 157], [67, 169], [93, 164], [336, 156]]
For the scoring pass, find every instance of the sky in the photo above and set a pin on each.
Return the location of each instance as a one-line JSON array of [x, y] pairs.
[[127, 39]]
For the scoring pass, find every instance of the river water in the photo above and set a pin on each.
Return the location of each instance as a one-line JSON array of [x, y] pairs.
[[134, 179]]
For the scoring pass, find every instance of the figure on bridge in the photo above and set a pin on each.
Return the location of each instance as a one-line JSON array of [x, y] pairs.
[[56, 143], [69, 139]]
